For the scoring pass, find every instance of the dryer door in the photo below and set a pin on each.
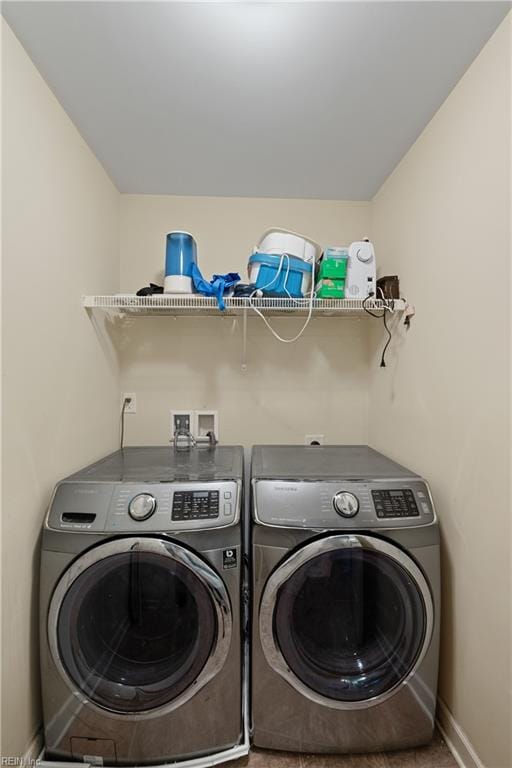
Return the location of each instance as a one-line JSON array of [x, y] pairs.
[[346, 619], [139, 624]]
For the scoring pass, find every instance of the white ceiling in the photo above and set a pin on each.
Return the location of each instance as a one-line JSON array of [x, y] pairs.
[[312, 100]]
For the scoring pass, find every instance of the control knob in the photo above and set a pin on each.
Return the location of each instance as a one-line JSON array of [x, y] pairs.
[[364, 253], [346, 504], [142, 506]]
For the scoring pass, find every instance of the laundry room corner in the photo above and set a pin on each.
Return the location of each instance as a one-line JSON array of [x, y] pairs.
[[60, 385], [443, 402]]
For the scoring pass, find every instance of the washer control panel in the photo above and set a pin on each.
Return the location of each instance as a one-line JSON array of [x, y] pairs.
[[144, 507]]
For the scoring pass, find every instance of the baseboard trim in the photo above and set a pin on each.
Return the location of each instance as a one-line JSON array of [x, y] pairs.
[[34, 748], [457, 741]]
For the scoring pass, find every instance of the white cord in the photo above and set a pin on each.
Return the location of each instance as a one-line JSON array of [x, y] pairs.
[[311, 298], [387, 305], [292, 298]]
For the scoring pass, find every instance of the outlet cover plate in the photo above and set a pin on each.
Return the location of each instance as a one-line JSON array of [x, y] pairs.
[[132, 405]]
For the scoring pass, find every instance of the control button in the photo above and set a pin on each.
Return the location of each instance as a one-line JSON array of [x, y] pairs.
[[227, 494], [364, 254], [346, 504], [227, 510], [142, 506]]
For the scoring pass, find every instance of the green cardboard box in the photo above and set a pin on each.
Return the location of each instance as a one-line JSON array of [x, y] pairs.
[[330, 289], [335, 269]]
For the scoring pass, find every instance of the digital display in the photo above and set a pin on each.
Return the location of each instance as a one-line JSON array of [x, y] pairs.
[[195, 505], [395, 503]]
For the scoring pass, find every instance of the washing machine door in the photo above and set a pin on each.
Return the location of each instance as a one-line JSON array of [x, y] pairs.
[[346, 619], [138, 625]]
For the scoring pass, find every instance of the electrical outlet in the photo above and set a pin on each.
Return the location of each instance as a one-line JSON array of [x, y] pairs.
[[130, 407], [182, 420], [314, 439]]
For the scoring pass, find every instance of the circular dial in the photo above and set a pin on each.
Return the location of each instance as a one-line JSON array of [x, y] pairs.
[[142, 506], [364, 254], [346, 504]]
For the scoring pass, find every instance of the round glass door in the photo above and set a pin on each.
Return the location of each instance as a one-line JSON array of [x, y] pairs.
[[345, 619], [139, 625]]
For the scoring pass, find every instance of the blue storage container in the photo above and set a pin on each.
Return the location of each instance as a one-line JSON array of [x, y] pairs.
[[280, 274], [180, 254]]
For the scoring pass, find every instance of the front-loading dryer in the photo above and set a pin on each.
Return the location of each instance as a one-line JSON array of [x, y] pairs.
[[141, 654], [346, 600]]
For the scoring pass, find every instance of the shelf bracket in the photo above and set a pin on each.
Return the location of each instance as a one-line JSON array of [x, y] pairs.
[[244, 341]]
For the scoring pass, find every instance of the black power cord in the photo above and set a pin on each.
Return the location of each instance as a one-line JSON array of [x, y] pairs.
[[388, 342], [126, 401], [384, 319]]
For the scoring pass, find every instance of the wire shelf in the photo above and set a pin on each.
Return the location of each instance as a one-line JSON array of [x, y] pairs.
[[166, 304]]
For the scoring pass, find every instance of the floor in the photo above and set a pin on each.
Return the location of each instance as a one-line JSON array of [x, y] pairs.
[[437, 755]]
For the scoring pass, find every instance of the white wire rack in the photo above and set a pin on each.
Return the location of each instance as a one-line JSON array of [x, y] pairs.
[[165, 304], [197, 306]]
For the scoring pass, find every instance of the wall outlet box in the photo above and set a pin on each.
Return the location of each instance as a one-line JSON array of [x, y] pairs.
[[198, 423], [130, 407], [182, 419], [207, 421], [314, 439]]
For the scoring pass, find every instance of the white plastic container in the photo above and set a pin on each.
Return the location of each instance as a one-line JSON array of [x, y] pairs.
[[277, 241], [177, 284]]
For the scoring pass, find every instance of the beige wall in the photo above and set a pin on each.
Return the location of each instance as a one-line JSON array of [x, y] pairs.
[[60, 393], [442, 222], [317, 385]]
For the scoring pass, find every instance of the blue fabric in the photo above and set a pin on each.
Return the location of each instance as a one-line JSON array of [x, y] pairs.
[[217, 285]]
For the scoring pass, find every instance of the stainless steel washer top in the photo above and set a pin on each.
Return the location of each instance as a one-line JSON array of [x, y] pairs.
[[323, 462], [161, 464]]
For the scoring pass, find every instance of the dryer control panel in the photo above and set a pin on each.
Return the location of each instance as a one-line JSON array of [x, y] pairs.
[[144, 507], [344, 504]]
